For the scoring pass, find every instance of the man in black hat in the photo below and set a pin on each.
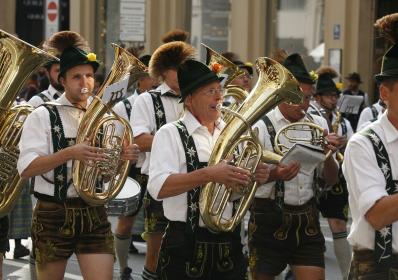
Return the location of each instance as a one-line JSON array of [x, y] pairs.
[[63, 223], [333, 201], [371, 170], [353, 82], [189, 250], [284, 226], [52, 70], [244, 80], [152, 110]]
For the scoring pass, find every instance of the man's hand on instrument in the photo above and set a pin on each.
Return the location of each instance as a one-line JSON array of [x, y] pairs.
[[336, 140], [333, 141], [84, 152], [262, 173], [228, 174], [130, 152]]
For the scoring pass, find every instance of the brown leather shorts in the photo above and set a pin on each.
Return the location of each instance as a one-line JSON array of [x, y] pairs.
[[364, 267], [4, 226], [59, 230], [155, 221]]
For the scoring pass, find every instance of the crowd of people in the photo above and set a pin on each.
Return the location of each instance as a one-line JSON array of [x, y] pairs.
[[174, 111]]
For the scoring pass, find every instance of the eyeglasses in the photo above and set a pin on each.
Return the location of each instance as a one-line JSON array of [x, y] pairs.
[[214, 91]]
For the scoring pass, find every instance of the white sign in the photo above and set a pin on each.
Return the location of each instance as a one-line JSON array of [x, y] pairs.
[[132, 20], [115, 92], [51, 17]]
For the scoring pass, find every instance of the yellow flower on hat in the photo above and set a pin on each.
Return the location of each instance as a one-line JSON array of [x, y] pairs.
[[92, 57], [314, 76], [339, 86]]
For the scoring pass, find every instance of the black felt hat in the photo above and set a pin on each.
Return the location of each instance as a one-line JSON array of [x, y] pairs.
[[354, 76], [192, 75], [248, 66], [389, 66], [294, 63], [74, 56], [325, 84]]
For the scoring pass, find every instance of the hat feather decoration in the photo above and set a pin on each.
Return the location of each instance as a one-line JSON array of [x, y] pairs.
[[327, 70], [62, 40], [388, 27]]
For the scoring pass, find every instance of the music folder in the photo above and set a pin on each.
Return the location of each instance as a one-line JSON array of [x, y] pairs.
[[308, 156], [349, 104]]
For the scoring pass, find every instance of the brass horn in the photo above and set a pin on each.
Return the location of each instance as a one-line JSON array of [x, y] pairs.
[[99, 125], [18, 60], [225, 68], [275, 85]]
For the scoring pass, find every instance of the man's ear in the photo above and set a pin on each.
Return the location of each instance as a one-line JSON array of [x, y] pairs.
[[384, 93]]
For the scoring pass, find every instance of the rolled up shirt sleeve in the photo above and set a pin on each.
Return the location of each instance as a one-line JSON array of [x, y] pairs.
[[166, 158], [365, 181], [35, 138]]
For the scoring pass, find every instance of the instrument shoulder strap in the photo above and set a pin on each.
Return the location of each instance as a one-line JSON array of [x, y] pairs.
[[343, 127], [271, 130], [160, 114], [383, 237], [193, 163], [59, 142], [127, 106]]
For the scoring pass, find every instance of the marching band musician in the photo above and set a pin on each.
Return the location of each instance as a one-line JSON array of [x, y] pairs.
[[63, 223], [152, 110], [284, 226], [189, 250], [143, 82], [333, 201], [372, 188], [52, 70]]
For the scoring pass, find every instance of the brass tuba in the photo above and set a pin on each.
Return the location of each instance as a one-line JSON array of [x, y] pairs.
[[223, 67], [275, 85], [99, 126], [18, 60]]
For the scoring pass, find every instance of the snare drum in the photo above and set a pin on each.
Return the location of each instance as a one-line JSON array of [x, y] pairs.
[[127, 201]]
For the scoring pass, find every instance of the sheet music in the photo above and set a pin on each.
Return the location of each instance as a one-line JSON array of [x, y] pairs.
[[349, 104], [308, 156]]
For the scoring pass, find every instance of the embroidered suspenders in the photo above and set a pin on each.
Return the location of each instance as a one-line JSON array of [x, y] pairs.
[[193, 163], [59, 142], [127, 105], [160, 114], [43, 97], [383, 237]]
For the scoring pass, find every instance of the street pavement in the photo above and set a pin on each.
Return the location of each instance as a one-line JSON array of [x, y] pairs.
[[19, 269]]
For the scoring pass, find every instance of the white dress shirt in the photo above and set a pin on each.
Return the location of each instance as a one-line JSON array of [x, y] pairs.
[[367, 115], [36, 140], [120, 109], [143, 116], [299, 190], [168, 157], [51, 93], [366, 183]]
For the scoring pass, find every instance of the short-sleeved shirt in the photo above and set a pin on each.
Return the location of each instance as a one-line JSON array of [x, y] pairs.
[[143, 119], [299, 190], [366, 183], [168, 157]]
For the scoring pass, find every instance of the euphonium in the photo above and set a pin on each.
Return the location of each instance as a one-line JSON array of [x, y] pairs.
[[275, 85], [223, 67], [18, 60], [98, 126]]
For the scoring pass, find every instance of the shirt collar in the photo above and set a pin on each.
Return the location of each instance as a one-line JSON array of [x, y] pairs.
[[62, 100], [163, 88], [390, 131], [280, 117], [53, 92], [193, 124]]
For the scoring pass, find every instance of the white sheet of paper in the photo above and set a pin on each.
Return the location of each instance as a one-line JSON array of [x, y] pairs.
[[349, 104], [308, 156], [115, 92]]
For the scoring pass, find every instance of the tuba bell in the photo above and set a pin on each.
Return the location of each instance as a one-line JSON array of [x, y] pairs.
[[99, 126], [18, 60], [275, 85]]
